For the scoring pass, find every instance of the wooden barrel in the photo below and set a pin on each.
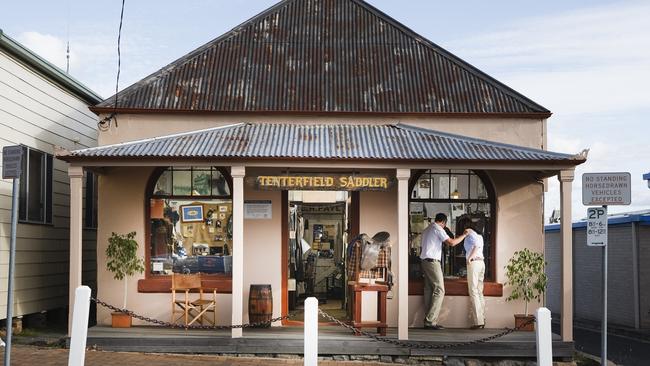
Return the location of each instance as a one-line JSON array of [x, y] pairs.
[[260, 304]]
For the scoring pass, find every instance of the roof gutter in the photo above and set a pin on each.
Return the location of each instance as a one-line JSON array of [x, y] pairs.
[[99, 110], [47, 69]]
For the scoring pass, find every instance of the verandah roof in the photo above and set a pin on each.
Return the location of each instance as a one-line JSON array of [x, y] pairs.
[[387, 142]]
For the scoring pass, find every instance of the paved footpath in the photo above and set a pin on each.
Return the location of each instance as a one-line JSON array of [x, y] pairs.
[[40, 356]]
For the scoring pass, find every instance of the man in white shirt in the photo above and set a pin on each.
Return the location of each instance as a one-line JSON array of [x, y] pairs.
[[475, 276], [434, 286]]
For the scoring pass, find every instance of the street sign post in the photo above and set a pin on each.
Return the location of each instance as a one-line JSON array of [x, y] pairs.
[[597, 226], [12, 157], [603, 189]]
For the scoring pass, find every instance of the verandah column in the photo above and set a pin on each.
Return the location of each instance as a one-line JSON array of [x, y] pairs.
[[566, 237], [76, 174], [237, 173], [403, 176]]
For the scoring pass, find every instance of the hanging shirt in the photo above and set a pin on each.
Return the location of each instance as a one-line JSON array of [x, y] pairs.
[[473, 240], [432, 238]]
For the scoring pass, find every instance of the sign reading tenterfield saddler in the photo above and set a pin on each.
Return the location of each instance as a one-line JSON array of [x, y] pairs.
[[606, 189], [324, 182]]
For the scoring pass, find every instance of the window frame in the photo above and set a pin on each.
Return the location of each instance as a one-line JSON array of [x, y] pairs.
[[156, 283], [491, 200], [46, 188]]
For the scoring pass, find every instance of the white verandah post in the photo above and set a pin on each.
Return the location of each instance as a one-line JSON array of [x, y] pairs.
[[237, 173], [403, 176], [76, 174], [566, 239]]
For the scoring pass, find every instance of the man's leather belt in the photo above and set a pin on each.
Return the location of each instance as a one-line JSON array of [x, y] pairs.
[[430, 260]]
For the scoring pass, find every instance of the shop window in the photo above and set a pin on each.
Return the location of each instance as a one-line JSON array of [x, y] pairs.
[[35, 198], [90, 214], [190, 211], [464, 196]]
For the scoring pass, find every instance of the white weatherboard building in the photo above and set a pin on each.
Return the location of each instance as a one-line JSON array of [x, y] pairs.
[[42, 107]]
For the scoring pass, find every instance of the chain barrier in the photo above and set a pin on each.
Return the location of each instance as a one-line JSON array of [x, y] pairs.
[[421, 345], [324, 315], [182, 326]]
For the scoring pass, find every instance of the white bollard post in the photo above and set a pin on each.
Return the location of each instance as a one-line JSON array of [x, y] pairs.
[[79, 332], [311, 331], [543, 336]]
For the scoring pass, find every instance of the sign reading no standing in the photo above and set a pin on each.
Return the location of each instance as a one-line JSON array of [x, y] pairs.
[[606, 189]]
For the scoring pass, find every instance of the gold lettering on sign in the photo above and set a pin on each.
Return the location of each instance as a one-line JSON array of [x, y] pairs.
[[323, 182]]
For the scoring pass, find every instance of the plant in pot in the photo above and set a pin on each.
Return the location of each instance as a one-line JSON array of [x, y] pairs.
[[123, 262], [525, 273]]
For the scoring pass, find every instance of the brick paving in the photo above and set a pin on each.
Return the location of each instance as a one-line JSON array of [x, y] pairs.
[[41, 356]]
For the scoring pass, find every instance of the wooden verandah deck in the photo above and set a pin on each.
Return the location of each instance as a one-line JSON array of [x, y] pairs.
[[332, 341]]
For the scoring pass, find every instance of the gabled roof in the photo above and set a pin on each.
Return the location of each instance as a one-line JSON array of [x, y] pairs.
[[257, 141], [323, 56], [45, 68]]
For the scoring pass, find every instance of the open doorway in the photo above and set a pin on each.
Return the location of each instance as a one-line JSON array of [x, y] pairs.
[[319, 227]]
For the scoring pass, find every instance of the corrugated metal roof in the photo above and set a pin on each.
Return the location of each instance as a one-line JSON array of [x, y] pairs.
[[323, 56], [343, 142]]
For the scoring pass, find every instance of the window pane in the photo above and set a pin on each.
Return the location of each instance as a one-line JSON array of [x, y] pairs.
[[35, 186], [201, 182], [477, 188], [182, 182], [48, 189], [441, 186], [219, 184], [460, 186], [422, 189], [22, 200], [164, 184]]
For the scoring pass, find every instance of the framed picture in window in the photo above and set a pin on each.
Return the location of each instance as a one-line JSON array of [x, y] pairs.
[[192, 213]]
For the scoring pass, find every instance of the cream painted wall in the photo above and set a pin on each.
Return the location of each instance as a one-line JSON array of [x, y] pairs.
[[263, 248], [122, 200], [519, 225], [519, 131]]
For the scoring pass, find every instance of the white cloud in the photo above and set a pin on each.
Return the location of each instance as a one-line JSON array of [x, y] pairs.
[[590, 67], [49, 47]]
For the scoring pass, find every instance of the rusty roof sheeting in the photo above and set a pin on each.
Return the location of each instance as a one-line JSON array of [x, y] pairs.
[[299, 141], [322, 56]]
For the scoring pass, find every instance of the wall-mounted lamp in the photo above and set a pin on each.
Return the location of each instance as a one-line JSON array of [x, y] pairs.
[[455, 194]]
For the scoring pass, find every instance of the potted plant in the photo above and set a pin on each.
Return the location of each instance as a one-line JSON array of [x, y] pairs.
[[525, 273], [123, 262]]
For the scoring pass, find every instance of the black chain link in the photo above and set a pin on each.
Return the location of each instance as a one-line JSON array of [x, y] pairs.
[[183, 326], [421, 345]]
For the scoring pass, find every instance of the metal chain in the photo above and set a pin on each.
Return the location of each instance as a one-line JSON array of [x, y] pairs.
[[182, 326], [421, 345]]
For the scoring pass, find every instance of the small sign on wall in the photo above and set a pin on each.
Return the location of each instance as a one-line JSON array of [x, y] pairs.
[[258, 210]]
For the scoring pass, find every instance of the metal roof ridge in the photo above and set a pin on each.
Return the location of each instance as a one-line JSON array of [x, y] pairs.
[[158, 138], [482, 141]]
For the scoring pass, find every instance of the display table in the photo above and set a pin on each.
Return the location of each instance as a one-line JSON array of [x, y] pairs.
[[356, 292]]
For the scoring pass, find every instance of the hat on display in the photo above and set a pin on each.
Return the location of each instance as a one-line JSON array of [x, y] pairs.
[[381, 236]]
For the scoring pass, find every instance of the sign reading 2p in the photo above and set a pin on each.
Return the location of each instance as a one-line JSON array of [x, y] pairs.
[[597, 226]]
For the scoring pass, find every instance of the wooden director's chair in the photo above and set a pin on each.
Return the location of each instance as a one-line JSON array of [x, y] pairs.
[[192, 310]]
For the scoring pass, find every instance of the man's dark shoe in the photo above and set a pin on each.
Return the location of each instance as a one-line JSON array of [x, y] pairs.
[[434, 327]]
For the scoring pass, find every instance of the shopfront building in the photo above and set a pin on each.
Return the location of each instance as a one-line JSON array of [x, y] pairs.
[[256, 158]]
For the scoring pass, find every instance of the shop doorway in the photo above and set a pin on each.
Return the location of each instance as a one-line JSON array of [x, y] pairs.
[[318, 226]]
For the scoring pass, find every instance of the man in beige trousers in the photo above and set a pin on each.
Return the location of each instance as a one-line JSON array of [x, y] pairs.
[[434, 286]]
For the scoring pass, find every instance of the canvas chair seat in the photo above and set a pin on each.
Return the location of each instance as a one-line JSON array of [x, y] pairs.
[[188, 308]]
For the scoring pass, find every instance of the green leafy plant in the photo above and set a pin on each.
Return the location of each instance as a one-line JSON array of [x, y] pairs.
[[525, 273], [123, 260]]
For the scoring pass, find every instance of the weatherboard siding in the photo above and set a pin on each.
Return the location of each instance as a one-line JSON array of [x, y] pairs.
[[40, 114]]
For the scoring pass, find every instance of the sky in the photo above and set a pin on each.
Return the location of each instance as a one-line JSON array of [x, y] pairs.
[[588, 61]]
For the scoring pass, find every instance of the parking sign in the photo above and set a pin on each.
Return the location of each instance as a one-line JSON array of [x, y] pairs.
[[597, 226]]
